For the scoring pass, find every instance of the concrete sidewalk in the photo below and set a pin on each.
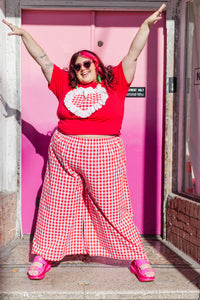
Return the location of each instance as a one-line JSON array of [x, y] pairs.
[[82, 277]]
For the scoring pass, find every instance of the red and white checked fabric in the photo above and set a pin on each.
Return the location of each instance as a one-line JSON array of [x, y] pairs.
[[85, 205], [86, 102]]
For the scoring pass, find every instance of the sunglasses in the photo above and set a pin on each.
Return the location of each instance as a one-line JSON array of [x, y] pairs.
[[86, 64]]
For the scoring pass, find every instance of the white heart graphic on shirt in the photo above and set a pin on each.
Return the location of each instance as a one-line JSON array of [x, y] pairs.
[[85, 101]]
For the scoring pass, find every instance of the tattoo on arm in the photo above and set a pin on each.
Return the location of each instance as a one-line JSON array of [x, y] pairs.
[[43, 56]]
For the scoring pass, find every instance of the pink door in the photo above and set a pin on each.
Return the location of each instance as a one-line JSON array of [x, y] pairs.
[[109, 34]]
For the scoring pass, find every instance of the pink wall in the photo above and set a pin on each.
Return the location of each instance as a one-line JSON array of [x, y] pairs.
[[61, 34]]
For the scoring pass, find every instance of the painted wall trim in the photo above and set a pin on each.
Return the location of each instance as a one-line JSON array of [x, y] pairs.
[[181, 108], [90, 5], [10, 92]]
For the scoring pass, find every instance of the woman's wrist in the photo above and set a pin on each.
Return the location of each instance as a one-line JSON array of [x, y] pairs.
[[147, 23], [24, 33]]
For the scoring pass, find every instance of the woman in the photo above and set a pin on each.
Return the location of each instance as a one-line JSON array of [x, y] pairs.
[[85, 204]]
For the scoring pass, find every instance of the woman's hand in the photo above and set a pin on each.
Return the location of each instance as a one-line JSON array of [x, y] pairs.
[[138, 43], [34, 50], [15, 30], [156, 16]]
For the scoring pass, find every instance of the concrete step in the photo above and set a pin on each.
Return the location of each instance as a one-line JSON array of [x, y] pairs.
[[99, 282], [177, 277]]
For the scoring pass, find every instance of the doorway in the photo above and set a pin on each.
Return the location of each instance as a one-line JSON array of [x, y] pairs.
[[109, 34]]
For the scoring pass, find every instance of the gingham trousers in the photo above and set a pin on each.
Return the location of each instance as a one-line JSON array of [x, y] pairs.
[[85, 205]]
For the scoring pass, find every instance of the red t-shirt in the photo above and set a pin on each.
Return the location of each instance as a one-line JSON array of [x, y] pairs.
[[106, 118]]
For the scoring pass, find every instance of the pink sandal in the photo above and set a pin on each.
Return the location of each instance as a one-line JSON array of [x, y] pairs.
[[41, 271], [136, 269]]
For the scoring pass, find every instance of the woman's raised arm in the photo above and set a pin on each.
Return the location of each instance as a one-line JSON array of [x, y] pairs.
[[34, 49], [130, 60]]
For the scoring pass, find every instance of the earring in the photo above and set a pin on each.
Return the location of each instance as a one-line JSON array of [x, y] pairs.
[[98, 79]]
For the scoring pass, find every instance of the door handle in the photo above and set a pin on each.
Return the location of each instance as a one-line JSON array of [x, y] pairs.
[[100, 43]]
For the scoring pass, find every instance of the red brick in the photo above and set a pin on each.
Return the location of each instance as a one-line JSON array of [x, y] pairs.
[[184, 218], [198, 254], [170, 204], [170, 235], [187, 246], [175, 229], [196, 213], [194, 252], [191, 230], [190, 208], [170, 220], [173, 203], [182, 205], [174, 239], [179, 224], [185, 235], [194, 240], [195, 223], [172, 212]]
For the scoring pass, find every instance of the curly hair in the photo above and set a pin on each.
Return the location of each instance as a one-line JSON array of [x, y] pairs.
[[105, 72]]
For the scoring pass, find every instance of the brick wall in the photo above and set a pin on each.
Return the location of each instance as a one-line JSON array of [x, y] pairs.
[[8, 216], [183, 225]]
